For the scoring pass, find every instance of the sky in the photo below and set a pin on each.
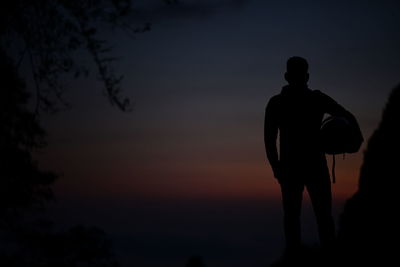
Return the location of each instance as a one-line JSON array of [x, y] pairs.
[[185, 172]]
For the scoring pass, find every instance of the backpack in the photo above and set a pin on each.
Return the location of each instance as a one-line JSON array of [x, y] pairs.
[[339, 136]]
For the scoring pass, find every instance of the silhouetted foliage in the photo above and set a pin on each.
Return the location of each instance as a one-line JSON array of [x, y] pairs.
[[44, 37], [369, 227], [46, 34], [39, 246], [26, 240], [22, 185], [40, 41]]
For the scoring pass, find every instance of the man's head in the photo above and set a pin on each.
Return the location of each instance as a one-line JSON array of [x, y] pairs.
[[297, 71]]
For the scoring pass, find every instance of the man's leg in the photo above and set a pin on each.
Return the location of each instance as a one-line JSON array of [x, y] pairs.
[[292, 198], [321, 198]]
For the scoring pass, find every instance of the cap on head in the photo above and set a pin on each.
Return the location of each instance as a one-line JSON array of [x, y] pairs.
[[297, 71]]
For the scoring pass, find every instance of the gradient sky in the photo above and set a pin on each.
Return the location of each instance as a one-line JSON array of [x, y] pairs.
[[189, 160]]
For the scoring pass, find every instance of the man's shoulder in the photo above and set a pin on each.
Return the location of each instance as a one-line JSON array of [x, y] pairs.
[[318, 93], [322, 96], [274, 100]]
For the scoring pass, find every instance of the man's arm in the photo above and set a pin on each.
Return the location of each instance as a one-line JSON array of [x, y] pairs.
[[333, 108], [271, 135]]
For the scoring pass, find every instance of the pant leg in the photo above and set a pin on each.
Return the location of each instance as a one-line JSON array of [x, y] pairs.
[[292, 195], [321, 198]]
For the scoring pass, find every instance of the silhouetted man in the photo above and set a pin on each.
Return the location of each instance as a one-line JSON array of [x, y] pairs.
[[296, 113]]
